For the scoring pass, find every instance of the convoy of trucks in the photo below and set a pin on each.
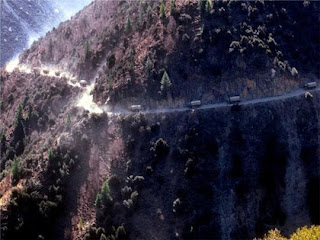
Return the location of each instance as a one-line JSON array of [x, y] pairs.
[[196, 103]]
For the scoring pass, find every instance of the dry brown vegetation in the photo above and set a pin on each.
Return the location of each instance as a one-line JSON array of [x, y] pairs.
[[227, 173]]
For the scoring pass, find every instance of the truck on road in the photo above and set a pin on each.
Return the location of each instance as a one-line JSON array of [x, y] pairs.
[[195, 103], [234, 99], [135, 108], [310, 85]]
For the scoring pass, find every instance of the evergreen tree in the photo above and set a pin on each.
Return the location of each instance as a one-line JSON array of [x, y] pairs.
[[19, 115], [98, 200], [208, 6], [148, 65], [50, 154], [103, 237], [15, 170], [165, 83], [121, 233], [128, 25], [162, 13]]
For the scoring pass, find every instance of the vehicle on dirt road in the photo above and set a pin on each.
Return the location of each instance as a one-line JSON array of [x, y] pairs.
[[234, 99], [310, 85], [195, 103], [135, 108]]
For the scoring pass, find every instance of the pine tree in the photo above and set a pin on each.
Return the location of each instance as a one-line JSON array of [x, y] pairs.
[[208, 6], [50, 154], [98, 200], [103, 237], [162, 13], [148, 64], [19, 115], [128, 25], [15, 170], [165, 83], [121, 233]]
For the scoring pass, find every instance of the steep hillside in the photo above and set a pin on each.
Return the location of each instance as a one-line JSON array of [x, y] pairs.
[[76, 163], [213, 50]]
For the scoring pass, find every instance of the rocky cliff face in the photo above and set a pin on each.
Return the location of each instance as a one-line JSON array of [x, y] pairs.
[[73, 167]]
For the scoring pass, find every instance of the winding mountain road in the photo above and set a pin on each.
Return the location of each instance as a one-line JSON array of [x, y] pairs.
[[218, 105]]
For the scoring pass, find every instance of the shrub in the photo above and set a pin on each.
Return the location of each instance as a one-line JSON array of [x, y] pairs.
[[312, 233]]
